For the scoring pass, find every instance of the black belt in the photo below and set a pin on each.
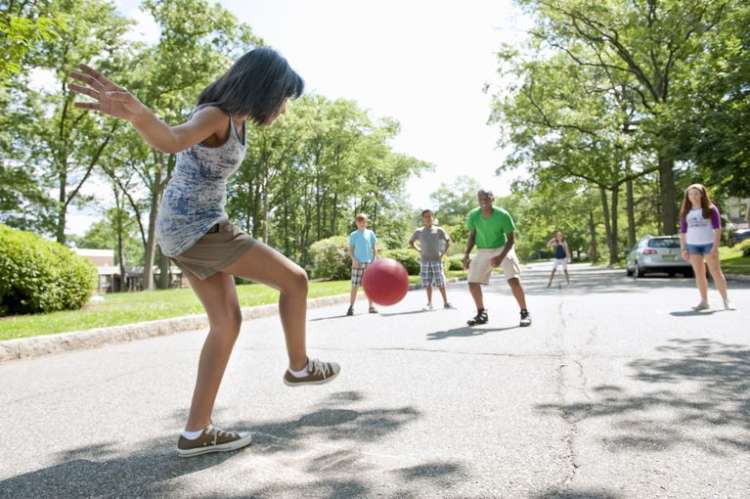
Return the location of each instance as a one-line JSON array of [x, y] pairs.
[[213, 229]]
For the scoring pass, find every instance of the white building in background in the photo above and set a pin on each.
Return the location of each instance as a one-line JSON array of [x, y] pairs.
[[104, 261]]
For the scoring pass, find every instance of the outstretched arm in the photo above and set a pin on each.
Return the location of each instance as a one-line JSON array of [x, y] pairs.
[[116, 101]]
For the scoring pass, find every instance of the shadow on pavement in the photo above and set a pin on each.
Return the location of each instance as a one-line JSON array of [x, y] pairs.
[[466, 332], [576, 494], [432, 479], [713, 415], [98, 471], [692, 313], [328, 317], [408, 312], [154, 470]]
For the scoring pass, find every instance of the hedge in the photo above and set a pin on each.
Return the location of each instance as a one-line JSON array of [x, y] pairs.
[[39, 276]]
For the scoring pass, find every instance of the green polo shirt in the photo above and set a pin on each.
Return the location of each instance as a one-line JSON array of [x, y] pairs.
[[491, 232]]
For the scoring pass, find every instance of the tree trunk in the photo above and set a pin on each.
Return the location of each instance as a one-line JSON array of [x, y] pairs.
[[630, 206], [119, 213], [593, 254], [61, 208], [668, 194], [614, 248], [164, 271], [150, 253], [335, 210], [605, 214], [266, 217]]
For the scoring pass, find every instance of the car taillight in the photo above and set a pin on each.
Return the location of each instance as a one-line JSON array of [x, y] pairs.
[[649, 251]]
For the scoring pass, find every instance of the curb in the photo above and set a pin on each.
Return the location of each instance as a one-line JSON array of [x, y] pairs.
[[737, 277], [37, 346]]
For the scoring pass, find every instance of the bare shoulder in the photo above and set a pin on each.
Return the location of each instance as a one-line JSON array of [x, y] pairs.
[[210, 115]]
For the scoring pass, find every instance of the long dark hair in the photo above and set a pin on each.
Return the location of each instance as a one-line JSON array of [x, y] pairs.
[[705, 201], [256, 85]]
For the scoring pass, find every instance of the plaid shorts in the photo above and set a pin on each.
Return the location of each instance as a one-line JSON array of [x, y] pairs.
[[357, 274], [432, 274]]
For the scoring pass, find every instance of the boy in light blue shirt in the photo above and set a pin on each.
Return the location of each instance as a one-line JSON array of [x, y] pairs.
[[363, 252]]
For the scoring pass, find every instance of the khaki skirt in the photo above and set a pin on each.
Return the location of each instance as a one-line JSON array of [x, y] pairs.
[[216, 250]]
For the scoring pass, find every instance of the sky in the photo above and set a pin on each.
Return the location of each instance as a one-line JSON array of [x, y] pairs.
[[424, 63]]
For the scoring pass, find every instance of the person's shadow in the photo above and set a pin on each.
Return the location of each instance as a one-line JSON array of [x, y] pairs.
[[692, 313], [466, 332]]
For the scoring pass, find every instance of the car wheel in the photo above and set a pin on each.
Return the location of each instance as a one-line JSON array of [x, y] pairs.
[[628, 272], [638, 271]]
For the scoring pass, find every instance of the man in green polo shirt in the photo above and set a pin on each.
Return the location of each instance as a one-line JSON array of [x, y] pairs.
[[493, 231]]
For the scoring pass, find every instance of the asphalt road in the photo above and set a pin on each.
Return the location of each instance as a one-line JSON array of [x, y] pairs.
[[617, 390]]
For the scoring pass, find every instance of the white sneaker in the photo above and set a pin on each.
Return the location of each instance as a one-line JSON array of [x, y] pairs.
[[427, 307], [728, 305], [701, 306]]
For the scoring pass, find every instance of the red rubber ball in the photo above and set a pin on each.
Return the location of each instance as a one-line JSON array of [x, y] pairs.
[[385, 281]]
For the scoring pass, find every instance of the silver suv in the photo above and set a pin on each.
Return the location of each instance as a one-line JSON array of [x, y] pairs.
[[657, 254]]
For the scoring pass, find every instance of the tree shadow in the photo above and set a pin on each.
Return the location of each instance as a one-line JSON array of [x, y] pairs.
[[153, 470], [466, 332], [97, 470], [713, 397], [576, 494], [433, 478]]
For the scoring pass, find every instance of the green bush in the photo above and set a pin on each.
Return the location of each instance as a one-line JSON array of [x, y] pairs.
[[407, 257], [330, 258], [455, 262], [744, 247], [37, 275]]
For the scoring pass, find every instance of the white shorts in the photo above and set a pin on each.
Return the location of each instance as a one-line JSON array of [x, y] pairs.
[[480, 267], [561, 262]]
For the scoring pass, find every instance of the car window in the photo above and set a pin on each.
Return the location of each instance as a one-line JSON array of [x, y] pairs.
[[666, 242]]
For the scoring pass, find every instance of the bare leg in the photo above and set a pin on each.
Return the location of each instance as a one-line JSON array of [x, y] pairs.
[[353, 296], [567, 276], [714, 266], [515, 286], [476, 292], [445, 296], [219, 298], [551, 276], [429, 294], [266, 265], [699, 269]]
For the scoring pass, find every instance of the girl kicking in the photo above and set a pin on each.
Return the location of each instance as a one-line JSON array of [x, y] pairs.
[[700, 235], [559, 246], [193, 228]]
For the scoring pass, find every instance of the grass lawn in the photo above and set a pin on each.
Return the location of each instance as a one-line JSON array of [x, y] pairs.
[[128, 308], [732, 261]]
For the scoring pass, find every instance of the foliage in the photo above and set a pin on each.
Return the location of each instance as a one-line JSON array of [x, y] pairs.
[[103, 235], [23, 25], [330, 258], [407, 257], [453, 201], [306, 176], [455, 263], [41, 276]]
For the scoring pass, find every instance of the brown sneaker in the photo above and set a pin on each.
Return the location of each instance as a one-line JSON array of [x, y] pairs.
[[212, 440], [318, 372]]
